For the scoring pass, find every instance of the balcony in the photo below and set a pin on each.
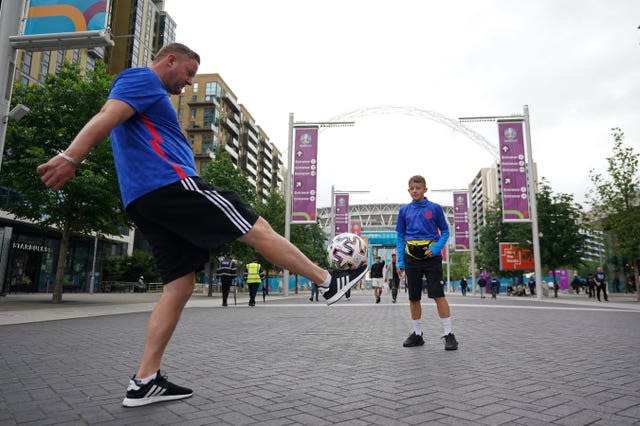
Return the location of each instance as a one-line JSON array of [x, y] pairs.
[[231, 126], [200, 127], [232, 151], [204, 100], [231, 101], [207, 151]]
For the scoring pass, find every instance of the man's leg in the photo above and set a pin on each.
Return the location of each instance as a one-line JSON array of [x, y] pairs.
[[226, 285], [281, 252], [163, 321]]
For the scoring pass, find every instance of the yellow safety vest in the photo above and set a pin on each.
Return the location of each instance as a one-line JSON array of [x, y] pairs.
[[253, 273]]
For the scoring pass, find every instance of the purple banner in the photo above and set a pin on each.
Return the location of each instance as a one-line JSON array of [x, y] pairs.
[[341, 217], [461, 220], [305, 168], [513, 170]]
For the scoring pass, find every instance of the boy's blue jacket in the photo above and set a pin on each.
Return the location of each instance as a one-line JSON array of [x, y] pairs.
[[421, 220]]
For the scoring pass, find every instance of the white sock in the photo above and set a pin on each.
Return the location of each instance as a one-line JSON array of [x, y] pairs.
[[447, 327], [146, 379], [417, 327], [326, 282]]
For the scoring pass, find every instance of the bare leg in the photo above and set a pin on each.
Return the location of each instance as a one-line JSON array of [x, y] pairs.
[[443, 307], [163, 321], [281, 252], [416, 309]]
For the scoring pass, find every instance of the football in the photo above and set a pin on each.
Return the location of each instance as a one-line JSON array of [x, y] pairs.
[[347, 251]]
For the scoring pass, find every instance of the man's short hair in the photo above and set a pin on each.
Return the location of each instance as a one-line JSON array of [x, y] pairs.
[[417, 179], [176, 49]]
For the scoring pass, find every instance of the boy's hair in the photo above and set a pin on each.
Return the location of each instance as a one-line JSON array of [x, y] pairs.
[[417, 179], [176, 48]]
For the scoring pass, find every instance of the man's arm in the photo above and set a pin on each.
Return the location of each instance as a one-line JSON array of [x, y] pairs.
[[56, 172]]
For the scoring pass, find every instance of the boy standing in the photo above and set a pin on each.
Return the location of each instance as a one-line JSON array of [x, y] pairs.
[[422, 233]]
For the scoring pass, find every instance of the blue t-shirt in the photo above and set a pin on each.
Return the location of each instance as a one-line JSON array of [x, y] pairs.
[[421, 220], [149, 149]]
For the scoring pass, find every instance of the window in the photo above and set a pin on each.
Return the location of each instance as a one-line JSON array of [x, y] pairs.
[[209, 116], [212, 88], [44, 66], [59, 60], [26, 63], [195, 87]]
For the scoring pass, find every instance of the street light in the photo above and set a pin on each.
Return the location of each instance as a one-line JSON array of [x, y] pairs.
[[287, 187], [531, 186]]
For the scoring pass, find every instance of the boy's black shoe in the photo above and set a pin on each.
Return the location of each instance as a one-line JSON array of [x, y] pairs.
[[413, 340], [450, 342], [342, 281], [157, 390]]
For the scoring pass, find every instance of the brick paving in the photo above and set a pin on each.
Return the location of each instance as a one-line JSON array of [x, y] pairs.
[[567, 361]]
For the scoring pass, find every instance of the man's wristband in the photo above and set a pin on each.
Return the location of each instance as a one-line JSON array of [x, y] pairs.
[[69, 159]]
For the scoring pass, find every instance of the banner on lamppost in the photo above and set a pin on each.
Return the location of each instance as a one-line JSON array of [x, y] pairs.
[[65, 16], [513, 172], [341, 214], [305, 168], [461, 221], [64, 24]]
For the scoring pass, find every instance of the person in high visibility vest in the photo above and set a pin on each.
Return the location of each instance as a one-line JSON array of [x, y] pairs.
[[253, 276]]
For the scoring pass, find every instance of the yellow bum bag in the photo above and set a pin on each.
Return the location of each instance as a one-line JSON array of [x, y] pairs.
[[418, 248]]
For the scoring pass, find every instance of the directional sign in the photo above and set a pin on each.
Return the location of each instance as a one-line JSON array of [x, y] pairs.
[[461, 220], [513, 257], [513, 172], [304, 176]]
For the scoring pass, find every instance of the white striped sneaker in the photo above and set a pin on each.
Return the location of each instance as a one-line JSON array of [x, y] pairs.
[[157, 390], [342, 281]]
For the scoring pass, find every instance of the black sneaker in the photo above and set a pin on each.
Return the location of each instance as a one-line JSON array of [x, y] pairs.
[[342, 281], [450, 342], [157, 390], [413, 340]]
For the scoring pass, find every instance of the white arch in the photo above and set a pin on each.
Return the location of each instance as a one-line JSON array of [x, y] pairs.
[[420, 113]]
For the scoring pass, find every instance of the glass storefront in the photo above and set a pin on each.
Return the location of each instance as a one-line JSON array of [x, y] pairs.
[[32, 257]]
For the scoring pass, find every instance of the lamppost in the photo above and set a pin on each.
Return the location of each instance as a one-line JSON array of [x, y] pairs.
[[470, 243], [535, 236], [288, 183]]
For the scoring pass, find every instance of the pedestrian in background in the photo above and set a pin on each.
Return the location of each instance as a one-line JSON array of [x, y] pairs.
[[601, 284], [314, 292], [392, 277], [226, 273], [253, 275], [591, 286], [422, 234], [377, 278], [182, 216], [482, 283], [495, 287], [463, 286]]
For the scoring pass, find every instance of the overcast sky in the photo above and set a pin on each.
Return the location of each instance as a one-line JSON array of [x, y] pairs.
[[576, 63]]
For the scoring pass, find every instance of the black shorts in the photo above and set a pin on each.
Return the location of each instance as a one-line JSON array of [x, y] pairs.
[[186, 220], [430, 268]]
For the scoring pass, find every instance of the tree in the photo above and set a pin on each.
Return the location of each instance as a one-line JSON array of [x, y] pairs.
[[460, 264], [88, 203], [615, 200], [559, 219], [496, 231]]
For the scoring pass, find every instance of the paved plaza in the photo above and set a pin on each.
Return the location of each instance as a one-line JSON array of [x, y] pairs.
[[565, 361]]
